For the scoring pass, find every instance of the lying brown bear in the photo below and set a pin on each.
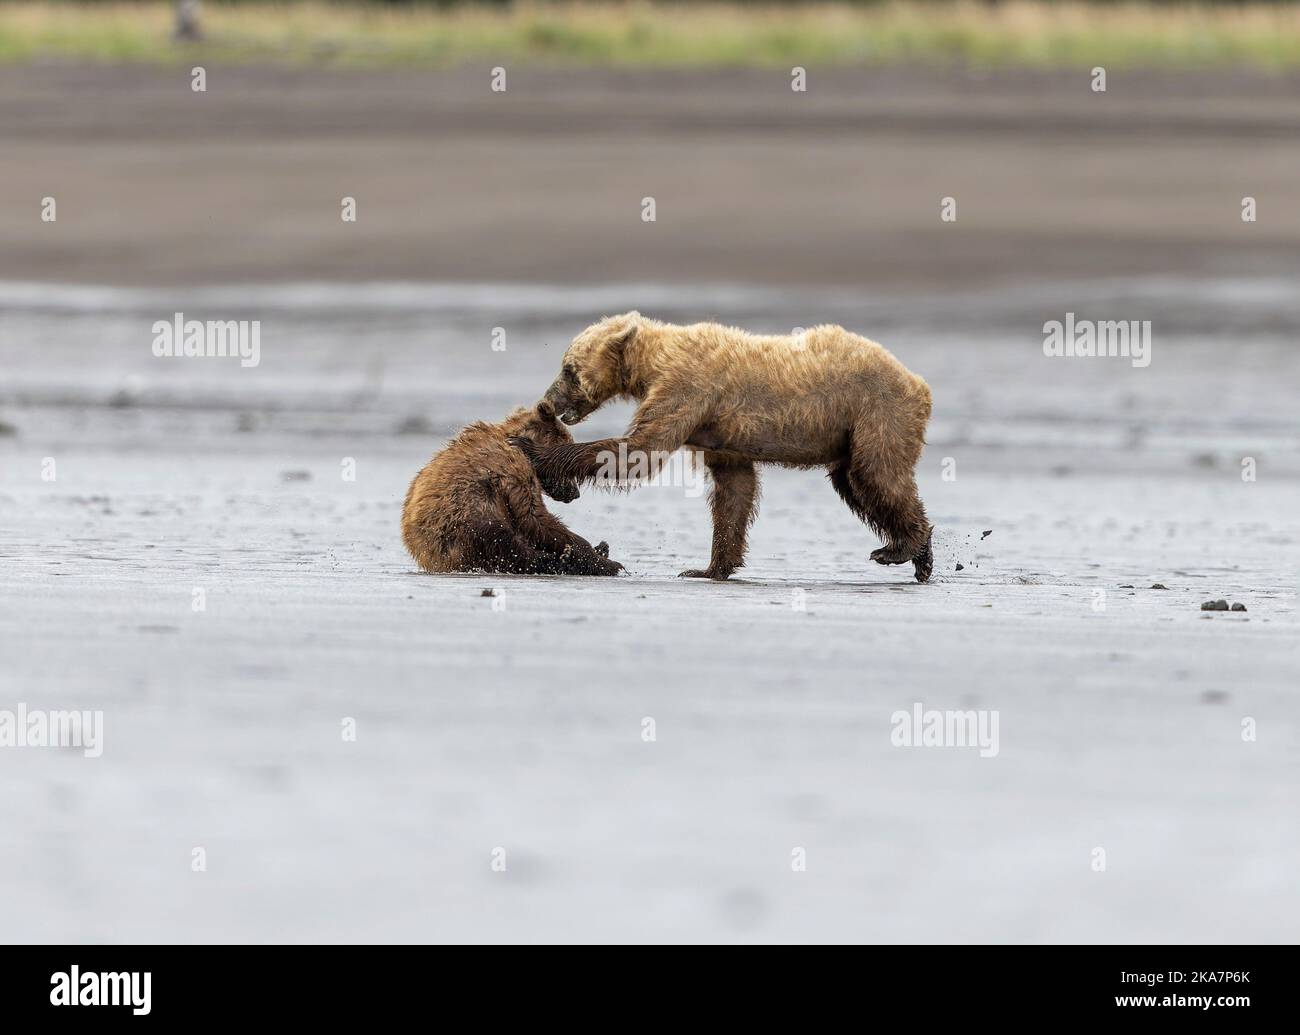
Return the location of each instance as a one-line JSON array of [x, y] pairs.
[[477, 506], [822, 398]]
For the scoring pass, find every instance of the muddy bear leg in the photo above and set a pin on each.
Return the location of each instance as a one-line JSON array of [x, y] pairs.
[[923, 562], [574, 560], [521, 557], [574, 554], [892, 509], [900, 515], [594, 560], [732, 502], [489, 544], [839, 475]]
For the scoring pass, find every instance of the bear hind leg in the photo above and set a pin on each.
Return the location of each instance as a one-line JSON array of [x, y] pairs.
[[888, 502], [493, 546], [839, 475]]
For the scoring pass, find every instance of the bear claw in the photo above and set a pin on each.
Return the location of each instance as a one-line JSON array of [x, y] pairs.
[[923, 563], [890, 555], [525, 445]]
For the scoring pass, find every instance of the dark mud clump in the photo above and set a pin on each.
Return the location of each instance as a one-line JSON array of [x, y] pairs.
[[971, 561]]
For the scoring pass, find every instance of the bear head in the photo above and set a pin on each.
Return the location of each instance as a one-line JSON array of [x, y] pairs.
[[540, 425], [593, 370]]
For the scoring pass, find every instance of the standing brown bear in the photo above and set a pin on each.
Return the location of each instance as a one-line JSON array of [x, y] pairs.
[[477, 506], [823, 398]]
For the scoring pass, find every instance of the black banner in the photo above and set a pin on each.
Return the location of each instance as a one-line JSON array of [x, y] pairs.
[[160, 985]]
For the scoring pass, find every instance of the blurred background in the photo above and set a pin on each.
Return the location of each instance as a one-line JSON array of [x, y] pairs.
[[607, 103], [942, 177]]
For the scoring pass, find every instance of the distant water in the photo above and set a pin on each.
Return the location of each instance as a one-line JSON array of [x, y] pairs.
[[372, 357], [1183, 302]]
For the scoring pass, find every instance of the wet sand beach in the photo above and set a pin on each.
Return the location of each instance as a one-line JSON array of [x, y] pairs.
[[516, 721]]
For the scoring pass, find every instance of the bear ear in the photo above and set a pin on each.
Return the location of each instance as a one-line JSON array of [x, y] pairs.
[[545, 410], [623, 330]]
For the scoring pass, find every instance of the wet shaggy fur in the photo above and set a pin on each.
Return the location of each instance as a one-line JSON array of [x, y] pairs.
[[477, 506], [823, 398]]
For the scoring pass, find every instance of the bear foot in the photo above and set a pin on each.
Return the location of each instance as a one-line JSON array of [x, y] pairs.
[[922, 562], [574, 562], [704, 573], [891, 555]]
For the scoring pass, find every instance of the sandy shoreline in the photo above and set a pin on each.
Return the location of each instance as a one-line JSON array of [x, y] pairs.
[[517, 721], [753, 183]]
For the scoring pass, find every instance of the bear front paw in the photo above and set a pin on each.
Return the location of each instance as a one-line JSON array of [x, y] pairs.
[[704, 573], [525, 445]]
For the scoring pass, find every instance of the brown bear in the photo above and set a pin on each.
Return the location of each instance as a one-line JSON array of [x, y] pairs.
[[822, 398], [477, 506]]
